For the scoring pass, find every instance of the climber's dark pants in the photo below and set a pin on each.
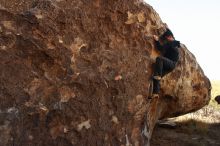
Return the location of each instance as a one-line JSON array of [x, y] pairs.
[[163, 66]]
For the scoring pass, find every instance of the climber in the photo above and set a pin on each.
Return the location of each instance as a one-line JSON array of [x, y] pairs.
[[167, 61], [217, 99]]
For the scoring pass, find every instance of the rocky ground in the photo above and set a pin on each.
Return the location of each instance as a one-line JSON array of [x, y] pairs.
[[183, 135], [192, 131]]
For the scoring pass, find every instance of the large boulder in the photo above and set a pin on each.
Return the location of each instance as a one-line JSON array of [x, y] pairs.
[[77, 72]]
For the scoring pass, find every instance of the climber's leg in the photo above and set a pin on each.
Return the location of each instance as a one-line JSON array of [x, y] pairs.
[[162, 67], [156, 89], [168, 66], [156, 77], [158, 68], [156, 86]]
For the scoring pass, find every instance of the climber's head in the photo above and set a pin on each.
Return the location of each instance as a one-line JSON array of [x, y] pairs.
[[168, 35], [170, 38]]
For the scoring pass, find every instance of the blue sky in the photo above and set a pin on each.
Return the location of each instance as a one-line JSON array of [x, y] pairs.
[[196, 23]]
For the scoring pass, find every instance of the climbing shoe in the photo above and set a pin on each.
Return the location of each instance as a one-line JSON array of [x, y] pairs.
[[157, 77], [154, 96]]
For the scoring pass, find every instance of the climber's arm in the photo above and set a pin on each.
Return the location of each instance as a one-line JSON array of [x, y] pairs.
[[158, 45]]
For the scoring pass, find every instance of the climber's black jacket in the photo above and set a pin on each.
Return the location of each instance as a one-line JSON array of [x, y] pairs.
[[169, 50]]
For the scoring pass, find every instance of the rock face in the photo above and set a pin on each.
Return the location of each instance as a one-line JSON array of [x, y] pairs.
[[77, 72]]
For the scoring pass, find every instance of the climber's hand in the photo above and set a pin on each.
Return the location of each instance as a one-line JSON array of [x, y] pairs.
[[166, 26], [156, 38]]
